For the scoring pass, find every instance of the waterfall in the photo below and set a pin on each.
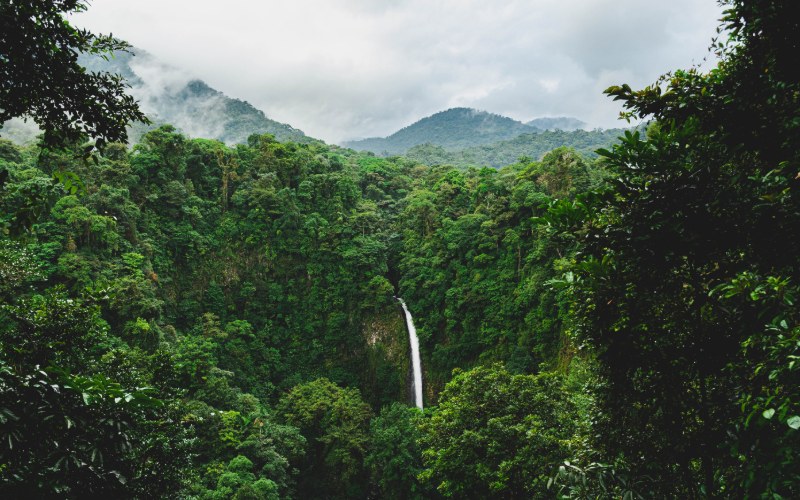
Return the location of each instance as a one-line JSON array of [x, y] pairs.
[[416, 364]]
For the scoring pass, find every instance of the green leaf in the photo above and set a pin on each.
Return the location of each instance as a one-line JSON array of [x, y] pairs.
[[769, 413], [794, 422]]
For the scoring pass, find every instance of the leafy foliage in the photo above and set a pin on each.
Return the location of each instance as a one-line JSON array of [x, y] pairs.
[[42, 78], [497, 435], [395, 458], [686, 290], [336, 423], [476, 263]]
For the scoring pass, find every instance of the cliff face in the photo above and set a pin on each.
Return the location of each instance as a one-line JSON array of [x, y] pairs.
[[386, 377]]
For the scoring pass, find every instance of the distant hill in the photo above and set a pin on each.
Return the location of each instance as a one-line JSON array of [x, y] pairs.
[[467, 137], [532, 145], [169, 95], [460, 128], [557, 123], [454, 129]]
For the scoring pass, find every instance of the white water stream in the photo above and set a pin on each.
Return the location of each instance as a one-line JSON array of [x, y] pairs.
[[416, 364]]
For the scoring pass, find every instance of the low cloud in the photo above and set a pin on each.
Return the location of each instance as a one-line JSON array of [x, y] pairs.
[[164, 96], [355, 68]]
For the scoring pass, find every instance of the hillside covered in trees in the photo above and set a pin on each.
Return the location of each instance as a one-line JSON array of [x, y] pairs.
[[183, 318], [451, 129], [531, 146], [469, 138], [458, 129], [170, 96]]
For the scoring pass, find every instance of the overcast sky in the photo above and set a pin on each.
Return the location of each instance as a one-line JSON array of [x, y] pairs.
[[343, 69]]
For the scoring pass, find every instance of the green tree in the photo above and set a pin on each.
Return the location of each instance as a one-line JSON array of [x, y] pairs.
[[239, 482], [497, 435], [395, 458], [65, 430], [686, 285], [335, 422], [41, 77]]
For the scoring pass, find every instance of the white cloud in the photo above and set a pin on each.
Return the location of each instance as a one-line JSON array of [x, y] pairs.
[[352, 68]]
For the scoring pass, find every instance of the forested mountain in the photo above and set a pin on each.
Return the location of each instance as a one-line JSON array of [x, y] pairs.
[[170, 96], [456, 128], [467, 137]]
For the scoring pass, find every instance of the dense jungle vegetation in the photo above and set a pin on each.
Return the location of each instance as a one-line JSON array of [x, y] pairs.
[[527, 145], [183, 318], [251, 290]]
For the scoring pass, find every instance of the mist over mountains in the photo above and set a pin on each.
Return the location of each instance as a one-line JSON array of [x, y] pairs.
[[565, 123], [169, 95], [457, 136]]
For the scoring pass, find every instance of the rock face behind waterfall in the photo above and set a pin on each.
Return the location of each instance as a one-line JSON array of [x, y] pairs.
[[387, 366]]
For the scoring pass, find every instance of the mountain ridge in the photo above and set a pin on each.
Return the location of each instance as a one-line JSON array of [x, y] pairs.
[[453, 129], [459, 128], [169, 95]]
